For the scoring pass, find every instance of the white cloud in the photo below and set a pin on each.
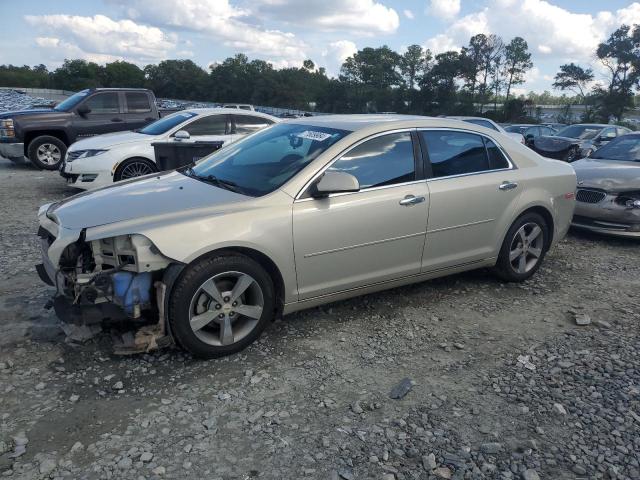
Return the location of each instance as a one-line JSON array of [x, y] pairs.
[[549, 29], [442, 43], [100, 37], [219, 19], [336, 53], [363, 17], [409, 14], [444, 9]]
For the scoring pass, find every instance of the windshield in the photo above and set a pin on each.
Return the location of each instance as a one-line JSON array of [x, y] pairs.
[[582, 132], [264, 161], [625, 148], [166, 123], [516, 129], [68, 104]]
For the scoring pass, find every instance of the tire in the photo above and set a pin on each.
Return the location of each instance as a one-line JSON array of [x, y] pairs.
[[193, 296], [572, 155], [134, 167], [46, 152], [512, 268]]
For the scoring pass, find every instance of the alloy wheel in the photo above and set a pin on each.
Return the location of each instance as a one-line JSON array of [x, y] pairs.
[[526, 247], [49, 154], [226, 308], [135, 169]]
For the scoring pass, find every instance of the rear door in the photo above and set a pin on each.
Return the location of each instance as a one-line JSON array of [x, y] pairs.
[[106, 115], [242, 125], [138, 110], [474, 190]]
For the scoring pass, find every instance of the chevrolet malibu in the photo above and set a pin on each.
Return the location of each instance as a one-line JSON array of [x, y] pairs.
[[302, 213]]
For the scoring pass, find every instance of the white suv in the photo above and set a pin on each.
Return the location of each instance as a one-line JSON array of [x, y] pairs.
[[99, 161]]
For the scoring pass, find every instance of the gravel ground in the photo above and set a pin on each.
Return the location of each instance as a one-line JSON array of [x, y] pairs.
[[502, 382]]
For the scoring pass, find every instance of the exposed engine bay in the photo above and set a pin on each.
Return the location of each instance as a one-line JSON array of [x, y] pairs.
[[117, 279]]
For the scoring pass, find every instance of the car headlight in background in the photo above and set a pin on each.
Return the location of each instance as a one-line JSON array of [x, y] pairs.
[[7, 129], [631, 200], [75, 155]]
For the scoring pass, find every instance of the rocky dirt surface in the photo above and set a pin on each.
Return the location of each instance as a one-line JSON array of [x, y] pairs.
[[495, 381]]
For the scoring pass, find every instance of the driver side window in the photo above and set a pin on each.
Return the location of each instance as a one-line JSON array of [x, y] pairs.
[[384, 160], [608, 134]]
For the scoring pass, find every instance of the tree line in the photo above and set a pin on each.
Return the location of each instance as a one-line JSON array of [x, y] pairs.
[[478, 79]]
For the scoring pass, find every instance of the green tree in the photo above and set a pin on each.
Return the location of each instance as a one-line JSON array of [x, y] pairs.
[[123, 74], [620, 55], [78, 74], [574, 78], [177, 79], [414, 63], [517, 61]]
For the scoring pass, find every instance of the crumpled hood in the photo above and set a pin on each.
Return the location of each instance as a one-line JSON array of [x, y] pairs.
[[110, 140], [610, 175], [155, 194], [556, 144]]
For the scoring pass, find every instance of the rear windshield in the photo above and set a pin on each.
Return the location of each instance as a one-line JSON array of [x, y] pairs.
[[167, 123], [582, 132]]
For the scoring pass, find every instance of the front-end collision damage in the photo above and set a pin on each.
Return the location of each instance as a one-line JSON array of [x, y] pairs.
[[118, 279]]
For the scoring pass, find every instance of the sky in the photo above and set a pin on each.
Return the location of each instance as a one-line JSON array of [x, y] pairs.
[[286, 32]]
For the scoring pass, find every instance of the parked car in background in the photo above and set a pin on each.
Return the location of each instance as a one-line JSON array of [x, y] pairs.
[[241, 106], [555, 126], [608, 195], [99, 161], [488, 123], [44, 135], [369, 201], [577, 141], [530, 131]]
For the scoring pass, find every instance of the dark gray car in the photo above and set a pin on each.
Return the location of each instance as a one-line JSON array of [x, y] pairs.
[[608, 194]]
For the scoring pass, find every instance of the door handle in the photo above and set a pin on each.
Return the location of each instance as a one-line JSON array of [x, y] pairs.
[[411, 200], [116, 119], [508, 185]]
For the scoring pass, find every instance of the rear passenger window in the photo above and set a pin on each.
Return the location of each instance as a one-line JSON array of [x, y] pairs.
[[246, 124], [384, 160], [497, 160], [459, 153], [137, 102], [104, 103]]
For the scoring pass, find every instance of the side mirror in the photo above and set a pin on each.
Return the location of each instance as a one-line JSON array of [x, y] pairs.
[[83, 110], [334, 182], [181, 135]]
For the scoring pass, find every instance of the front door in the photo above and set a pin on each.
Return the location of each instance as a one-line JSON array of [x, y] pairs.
[[213, 128], [105, 115], [355, 239], [473, 196]]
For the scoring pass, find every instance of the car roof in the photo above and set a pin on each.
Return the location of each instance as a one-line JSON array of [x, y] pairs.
[[462, 117], [360, 121], [232, 111]]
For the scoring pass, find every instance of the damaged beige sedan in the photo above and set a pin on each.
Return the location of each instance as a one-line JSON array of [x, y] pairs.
[[303, 213]]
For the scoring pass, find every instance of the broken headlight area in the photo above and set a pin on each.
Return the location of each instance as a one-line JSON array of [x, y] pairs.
[[117, 282]]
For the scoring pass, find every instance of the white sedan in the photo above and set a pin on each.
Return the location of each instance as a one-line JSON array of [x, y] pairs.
[[490, 124], [102, 160]]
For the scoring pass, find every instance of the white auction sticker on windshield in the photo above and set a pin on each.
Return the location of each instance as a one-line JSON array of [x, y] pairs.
[[314, 135]]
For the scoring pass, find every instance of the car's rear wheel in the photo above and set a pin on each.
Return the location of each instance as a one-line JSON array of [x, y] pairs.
[[134, 167], [523, 249], [46, 152], [220, 305]]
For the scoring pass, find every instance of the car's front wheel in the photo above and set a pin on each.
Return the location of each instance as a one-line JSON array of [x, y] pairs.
[[134, 167], [220, 305], [46, 152], [523, 248]]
